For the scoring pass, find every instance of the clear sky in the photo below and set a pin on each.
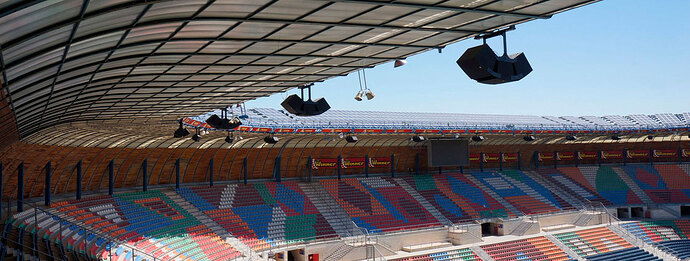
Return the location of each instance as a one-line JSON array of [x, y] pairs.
[[612, 57]]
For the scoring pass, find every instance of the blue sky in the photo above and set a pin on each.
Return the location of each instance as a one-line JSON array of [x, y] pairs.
[[612, 57]]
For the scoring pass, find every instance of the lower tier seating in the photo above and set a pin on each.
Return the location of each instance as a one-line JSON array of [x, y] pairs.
[[679, 248], [628, 254], [652, 232], [521, 191], [464, 254], [593, 241], [536, 248]]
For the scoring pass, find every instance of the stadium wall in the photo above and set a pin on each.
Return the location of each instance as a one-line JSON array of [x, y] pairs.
[[228, 163]]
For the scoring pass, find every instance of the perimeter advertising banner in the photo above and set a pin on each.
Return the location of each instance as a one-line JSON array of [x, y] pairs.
[[545, 156], [665, 153], [510, 157], [324, 163], [351, 163], [611, 154], [379, 162], [637, 154], [492, 157], [566, 155], [686, 153], [474, 157], [587, 155]]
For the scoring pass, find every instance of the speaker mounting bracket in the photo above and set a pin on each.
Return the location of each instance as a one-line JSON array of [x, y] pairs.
[[502, 33]]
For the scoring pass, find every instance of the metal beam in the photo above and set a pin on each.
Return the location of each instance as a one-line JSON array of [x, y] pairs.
[[445, 8]]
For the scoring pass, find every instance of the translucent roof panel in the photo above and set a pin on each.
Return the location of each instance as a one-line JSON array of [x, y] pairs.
[[77, 60]]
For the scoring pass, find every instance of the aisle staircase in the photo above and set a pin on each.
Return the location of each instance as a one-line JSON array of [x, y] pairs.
[[334, 215], [572, 200], [633, 186]]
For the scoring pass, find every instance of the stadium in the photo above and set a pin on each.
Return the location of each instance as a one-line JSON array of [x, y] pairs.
[[127, 132]]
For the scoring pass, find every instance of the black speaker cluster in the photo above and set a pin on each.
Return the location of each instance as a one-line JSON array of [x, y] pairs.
[[297, 106], [483, 65], [418, 138], [223, 123], [351, 139], [615, 137], [570, 137]]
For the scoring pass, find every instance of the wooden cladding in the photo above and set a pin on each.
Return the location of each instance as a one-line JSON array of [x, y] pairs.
[[228, 162]]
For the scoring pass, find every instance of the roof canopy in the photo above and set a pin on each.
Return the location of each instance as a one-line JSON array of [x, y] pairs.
[[73, 60]]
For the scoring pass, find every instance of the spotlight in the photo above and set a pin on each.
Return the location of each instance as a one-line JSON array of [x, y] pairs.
[[570, 137], [478, 138], [196, 136], [271, 139], [181, 132], [399, 62], [418, 138], [351, 139], [358, 96], [370, 95], [229, 139], [341, 135], [529, 138], [615, 137]]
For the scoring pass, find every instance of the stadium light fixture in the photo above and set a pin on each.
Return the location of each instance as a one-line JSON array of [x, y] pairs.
[[571, 137], [351, 138], [529, 138], [196, 137], [615, 137], [418, 138], [370, 95], [229, 139], [358, 96], [181, 131], [271, 139], [399, 62], [650, 137]]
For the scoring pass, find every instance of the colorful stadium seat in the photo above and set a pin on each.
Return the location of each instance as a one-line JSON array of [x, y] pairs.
[[593, 241], [456, 197], [679, 248], [628, 254], [652, 232], [464, 254], [536, 248], [521, 191], [378, 204], [574, 183]]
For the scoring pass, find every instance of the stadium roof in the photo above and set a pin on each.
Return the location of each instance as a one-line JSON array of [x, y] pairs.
[[74, 60]]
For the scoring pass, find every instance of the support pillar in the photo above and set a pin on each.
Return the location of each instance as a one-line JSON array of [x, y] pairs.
[[535, 159], [245, 171], [46, 192], [555, 159], [210, 173], [177, 173], [392, 165], [111, 177], [500, 162], [20, 187], [519, 161], [145, 174], [276, 169], [416, 164], [339, 167], [481, 162], [309, 162], [79, 177], [366, 166]]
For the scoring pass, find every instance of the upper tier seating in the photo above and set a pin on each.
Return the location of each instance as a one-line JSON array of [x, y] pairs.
[[536, 248], [678, 248], [522, 191], [603, 180], [593, 241], [574, 183], [456, 197], [651, 232], [262, 214], [378, 204], [464, 254], [662, 183], [628, 254]]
